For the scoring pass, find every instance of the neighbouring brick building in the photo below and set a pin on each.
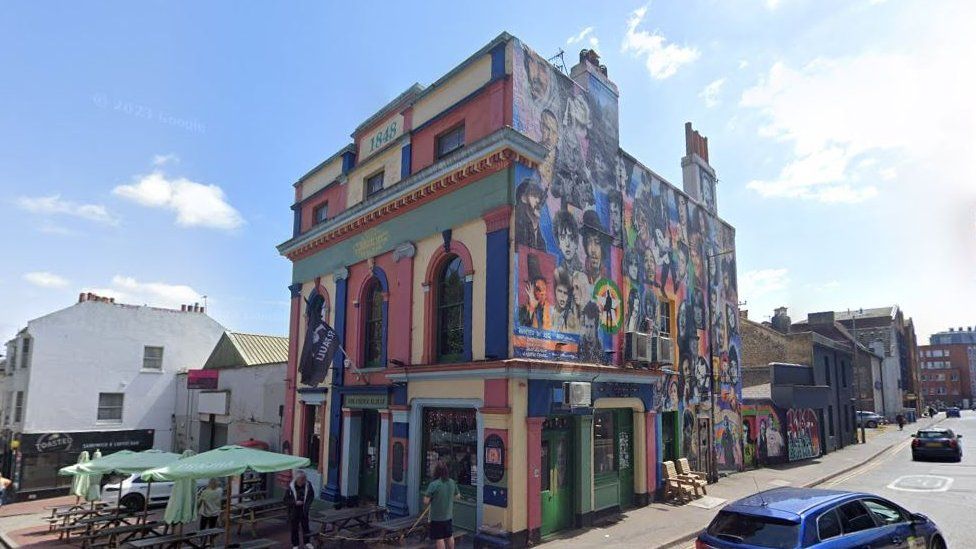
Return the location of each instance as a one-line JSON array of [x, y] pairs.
[[948, 368]]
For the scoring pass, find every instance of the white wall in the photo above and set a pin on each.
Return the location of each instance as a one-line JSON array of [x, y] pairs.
[[890, 376], [94, 347], [256, 392]]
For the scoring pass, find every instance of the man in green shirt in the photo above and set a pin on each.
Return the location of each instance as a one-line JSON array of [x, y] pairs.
[[440, 495]]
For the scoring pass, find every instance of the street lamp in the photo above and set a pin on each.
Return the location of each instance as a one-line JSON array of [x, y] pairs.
[[713, 470], [857, 378]]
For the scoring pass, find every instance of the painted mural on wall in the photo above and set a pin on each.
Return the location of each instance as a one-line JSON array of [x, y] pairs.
[[567, 304], [762, 435], [802, 433], [604, 247]]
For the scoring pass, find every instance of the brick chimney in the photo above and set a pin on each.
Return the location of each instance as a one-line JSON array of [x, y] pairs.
[[781, 321], [697, 175]]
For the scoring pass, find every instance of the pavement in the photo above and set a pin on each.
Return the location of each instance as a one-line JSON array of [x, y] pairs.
[[676, 526]]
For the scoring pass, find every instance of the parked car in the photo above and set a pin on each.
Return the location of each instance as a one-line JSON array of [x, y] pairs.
[[869, 419], [134, 491], [952, 412], [826, 519], [936, 443]]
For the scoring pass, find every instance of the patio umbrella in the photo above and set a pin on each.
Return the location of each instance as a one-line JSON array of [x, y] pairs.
[[79, 484], [95, 482], [124, 462], [182, 506], [226, 461]]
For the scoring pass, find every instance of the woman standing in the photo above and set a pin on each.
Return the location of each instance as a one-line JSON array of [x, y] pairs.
[[440, 495], [209, 504]]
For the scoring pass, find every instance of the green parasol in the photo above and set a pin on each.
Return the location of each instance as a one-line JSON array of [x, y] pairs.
[[123, 462], [79, 484], [182, 505]]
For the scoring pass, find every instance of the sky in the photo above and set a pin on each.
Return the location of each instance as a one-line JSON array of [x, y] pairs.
[[148, 150]]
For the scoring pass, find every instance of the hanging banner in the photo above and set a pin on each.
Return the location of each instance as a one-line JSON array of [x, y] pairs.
[[321, 342]]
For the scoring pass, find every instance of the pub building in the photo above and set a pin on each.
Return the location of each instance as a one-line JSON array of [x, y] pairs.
[[515, 296]]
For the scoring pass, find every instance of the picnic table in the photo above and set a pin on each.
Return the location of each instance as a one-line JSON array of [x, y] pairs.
[[62, 516], [253, 512], [116, 536], [85, 527], [338, 519], [197, 540]]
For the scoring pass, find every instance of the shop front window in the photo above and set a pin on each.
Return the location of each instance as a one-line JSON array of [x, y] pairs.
[[451, 437], [604, 443]]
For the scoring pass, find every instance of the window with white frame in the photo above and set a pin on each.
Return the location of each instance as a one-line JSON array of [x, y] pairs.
[[24, 352], [110, 407], [19, 407], [152, 358]]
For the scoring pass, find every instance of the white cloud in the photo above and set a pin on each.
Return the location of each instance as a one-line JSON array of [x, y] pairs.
[[161, 159], [743, 64], [195, 204], [840, 115], [756, 284], [587, 35], [127, 289], [710, 94], [772, 4], [55, 205], [661, 58], [45, 279]]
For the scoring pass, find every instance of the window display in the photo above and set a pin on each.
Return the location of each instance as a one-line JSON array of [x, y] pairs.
[[451, 436], [604, 443]]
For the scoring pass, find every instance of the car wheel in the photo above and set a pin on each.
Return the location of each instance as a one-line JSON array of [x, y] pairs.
[[938, 543], [133, 502], [872, 425]]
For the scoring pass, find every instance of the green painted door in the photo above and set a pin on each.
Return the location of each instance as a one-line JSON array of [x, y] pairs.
[[625, 456], [369, 455], [557, 481]]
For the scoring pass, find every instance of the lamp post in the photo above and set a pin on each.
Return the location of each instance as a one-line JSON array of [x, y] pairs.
[[713, 469], [857, 378]]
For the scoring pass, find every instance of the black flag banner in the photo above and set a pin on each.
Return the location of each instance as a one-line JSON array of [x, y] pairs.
[[321, 342]]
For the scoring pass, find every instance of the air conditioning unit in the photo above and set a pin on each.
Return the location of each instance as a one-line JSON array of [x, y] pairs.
[[638, 347], [662, 350], [576, 394]]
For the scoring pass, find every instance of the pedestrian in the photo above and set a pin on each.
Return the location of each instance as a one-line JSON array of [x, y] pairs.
[[5, 484], [299, 498], [901, 421], [440, 495], [208, 502]]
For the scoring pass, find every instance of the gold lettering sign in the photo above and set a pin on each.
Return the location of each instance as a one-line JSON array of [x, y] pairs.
[[372, 243], [365, 401]]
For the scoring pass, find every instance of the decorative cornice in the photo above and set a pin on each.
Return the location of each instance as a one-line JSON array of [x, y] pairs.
[[489, 154], [497, 218], [341, 273], [492, 162], [405, 250]]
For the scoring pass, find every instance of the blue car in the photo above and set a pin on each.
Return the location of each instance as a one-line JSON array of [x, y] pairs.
[[952, 411], [786, 518]]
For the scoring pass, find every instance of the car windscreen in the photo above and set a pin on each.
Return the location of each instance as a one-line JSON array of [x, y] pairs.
[[934, 434], [754, 530]]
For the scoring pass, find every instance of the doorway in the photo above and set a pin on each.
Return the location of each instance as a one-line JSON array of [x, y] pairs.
[[312, 419], [369, 455], [556, 481], [705, 461]]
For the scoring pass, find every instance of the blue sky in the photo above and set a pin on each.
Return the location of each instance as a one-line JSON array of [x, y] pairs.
[[148, 150]]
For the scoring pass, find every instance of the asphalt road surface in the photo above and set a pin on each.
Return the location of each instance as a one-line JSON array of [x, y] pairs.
[[944, 491]]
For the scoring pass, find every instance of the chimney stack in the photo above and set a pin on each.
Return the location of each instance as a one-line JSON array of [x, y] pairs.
[[781, 321]]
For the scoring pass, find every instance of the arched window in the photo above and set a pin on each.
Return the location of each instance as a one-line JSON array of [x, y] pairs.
[[450, 311], [373, 327]]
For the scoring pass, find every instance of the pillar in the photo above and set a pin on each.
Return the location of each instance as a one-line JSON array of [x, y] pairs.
[[584, 471], [535, 471], [331, 492]]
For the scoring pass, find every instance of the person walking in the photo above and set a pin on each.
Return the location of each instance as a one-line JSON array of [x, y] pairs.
[[901, 421], [299, 498], [440, 495], [208, 502], [5, 484]]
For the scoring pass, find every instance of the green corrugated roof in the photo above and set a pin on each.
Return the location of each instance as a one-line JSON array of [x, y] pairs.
[[236, 350]]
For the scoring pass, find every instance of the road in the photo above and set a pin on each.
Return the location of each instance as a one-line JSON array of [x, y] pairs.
[[944, 491]]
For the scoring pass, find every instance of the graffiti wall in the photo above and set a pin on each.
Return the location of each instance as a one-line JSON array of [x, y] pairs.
[[802, 433], [567, 303], [603, 247], [762, 434]]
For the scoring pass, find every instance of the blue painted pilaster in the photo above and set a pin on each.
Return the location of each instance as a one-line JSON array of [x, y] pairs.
[[496, 296]]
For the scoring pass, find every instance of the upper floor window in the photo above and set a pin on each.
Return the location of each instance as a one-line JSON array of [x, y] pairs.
[[19, 407], [373, 326], [450, 141], [664, 318], [321, 213], [374, 184], [24, 352], [152, 358], [110, 406], [450, 311]]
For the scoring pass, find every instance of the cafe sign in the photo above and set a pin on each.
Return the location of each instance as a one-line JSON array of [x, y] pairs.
[[369, 401]]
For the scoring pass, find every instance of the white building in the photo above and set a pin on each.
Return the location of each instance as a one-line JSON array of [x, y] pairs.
[[247, 403], [97, 374]]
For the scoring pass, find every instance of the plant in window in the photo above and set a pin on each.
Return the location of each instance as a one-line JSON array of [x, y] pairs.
[[450, 311]]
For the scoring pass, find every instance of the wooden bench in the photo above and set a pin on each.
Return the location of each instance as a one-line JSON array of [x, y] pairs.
[[339, 519], [395, 530], [252, 512], [198, 539], [115, 536], [677, 487]]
